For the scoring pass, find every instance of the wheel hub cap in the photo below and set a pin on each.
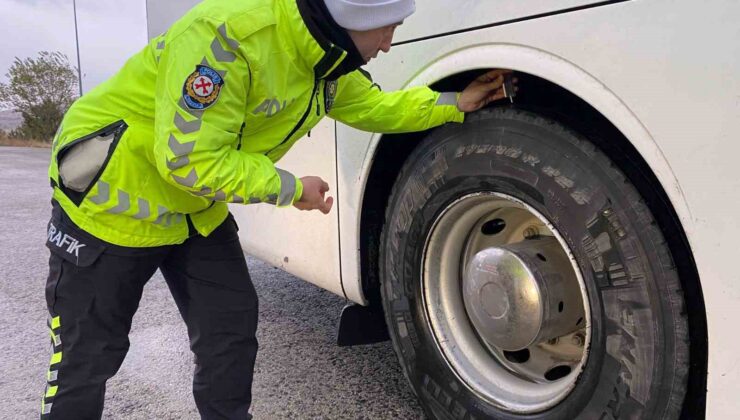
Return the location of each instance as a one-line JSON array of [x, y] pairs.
[[515, 294], [503, 299]]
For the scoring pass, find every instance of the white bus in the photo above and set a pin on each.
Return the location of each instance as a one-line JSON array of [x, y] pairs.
[[567, 255]]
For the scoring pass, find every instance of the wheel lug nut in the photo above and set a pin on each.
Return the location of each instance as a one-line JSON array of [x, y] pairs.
[[578, 340]]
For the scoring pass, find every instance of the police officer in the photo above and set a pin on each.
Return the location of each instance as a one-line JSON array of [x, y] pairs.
[[143, 167]]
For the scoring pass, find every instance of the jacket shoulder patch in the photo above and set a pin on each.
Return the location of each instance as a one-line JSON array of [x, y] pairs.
[[202, 88]]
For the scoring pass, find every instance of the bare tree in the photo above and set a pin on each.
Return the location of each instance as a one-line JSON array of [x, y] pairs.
[[41, 89]]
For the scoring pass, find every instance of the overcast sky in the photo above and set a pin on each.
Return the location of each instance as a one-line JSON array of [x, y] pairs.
[[110, 31]]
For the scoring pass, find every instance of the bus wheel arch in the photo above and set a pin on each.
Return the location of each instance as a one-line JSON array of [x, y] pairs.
[[551, 101]]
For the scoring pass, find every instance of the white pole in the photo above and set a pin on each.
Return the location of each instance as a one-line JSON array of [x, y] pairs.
[[77, 42]]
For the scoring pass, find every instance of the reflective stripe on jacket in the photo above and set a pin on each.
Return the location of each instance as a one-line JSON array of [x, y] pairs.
[[258, 74]]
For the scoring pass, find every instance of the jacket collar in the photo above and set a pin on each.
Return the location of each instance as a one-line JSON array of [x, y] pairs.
[[330, 34], [311, 46]]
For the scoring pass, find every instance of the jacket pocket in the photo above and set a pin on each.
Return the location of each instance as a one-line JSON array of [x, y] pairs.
[[82, 161]]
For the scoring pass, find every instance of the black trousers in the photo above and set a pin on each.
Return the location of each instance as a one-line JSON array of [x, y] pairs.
[[93, 291]]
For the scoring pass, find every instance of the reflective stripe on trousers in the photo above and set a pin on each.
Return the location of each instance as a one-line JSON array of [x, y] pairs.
[[47, 401]]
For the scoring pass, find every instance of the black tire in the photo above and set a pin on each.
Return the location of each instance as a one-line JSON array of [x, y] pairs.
[[639, 351]]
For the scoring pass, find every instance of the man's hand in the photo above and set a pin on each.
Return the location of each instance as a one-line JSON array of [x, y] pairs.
[[483, 90], [314, 190]]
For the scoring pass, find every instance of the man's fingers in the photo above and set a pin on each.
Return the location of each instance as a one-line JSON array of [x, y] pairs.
[[487, 77], [495, 97], [497, 78], [314, 195], [490, 75], [496, 82], [326, 205], [496, 92]]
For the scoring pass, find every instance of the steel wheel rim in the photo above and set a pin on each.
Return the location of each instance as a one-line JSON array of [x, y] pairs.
[[492, 373]]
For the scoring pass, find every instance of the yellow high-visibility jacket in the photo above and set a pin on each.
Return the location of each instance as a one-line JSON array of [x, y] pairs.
[[198, 118]]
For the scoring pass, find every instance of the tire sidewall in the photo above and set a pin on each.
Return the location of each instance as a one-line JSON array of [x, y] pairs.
[[569, 182]]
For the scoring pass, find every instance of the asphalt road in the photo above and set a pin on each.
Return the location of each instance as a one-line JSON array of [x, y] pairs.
[[300, 372]]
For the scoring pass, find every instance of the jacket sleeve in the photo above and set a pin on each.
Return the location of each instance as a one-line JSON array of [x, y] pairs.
[[198, 150], [361, 104]]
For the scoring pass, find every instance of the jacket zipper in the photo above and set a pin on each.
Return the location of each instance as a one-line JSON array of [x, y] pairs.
[[318, 108], [103, 132], [241, 133], [302, 120], [117, 129], [118, 133]]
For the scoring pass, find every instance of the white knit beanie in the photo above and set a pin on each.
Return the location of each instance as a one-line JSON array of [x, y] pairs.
[[364, 15]]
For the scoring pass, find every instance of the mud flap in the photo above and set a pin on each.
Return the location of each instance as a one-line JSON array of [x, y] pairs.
[[361, 325]]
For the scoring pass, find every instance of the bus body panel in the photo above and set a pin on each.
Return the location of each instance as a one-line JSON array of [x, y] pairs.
[[301, 242], [464, 14], [670, 88]]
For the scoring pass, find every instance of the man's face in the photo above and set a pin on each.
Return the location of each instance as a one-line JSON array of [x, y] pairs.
[[370, 43]]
